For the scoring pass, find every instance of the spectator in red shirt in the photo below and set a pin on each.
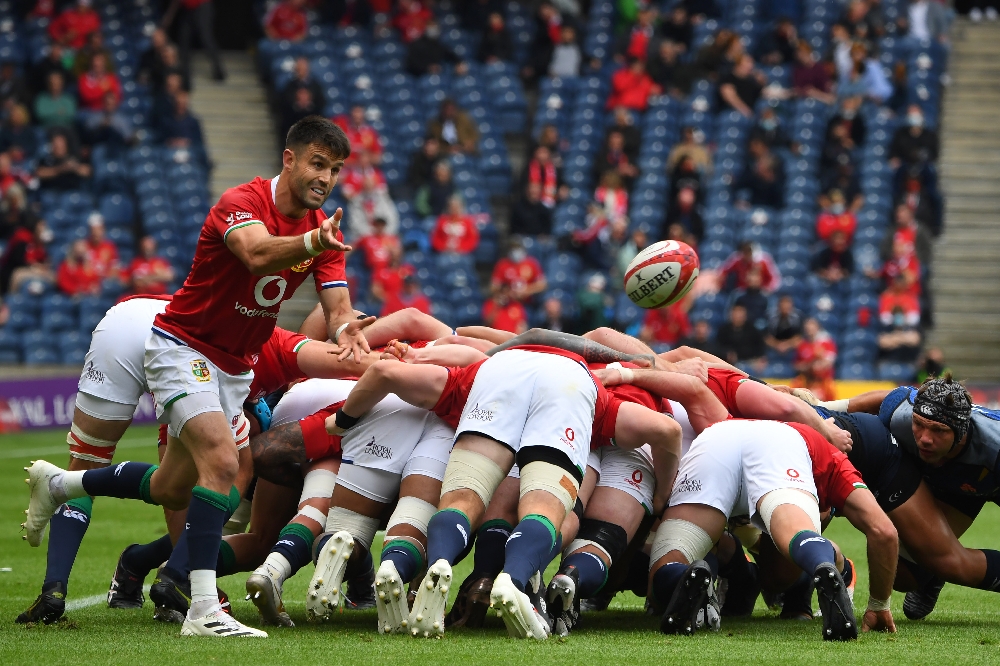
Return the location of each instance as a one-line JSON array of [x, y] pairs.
[[352, 179], [26, 259], [742, 261], [96, 83], [898, 296], [150, 273], [76, 275], [816, 355], [411, 18], [388, 280], [287, 21], [666, 325], [409, 297], [902, 263], [612, 196], [542, 171], [504, 313], [631, 87], [379, 247], [362, 136], [455, 230], [103, 254], [73, 25], [519, 271], [836, 261], [635, 44], [836, 217]]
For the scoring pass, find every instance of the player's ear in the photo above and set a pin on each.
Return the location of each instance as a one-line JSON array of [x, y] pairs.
[[288, 158]]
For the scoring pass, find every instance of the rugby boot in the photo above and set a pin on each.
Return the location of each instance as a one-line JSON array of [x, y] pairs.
[[219, 624], [265, 593], [597, 603], [838, 610], [324, 594], [427, 617], [390, 600], [361, 590], [126, 587], [796, 601], [516, 610], [850, 576], [536, 595], [48, 607], [471, 604], [741, 594], [689, 601], [563, 601], [171, 596], [918, 604], [41, 503]]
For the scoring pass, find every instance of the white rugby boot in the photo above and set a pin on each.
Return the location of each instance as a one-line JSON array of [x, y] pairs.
[[426, 620], [41, 503], [265, 593], [516, 611], [324, 594], [219, 624], [390, 600]]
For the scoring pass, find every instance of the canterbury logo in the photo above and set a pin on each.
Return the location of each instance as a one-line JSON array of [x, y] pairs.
[[816, 539], [465, 535], [118, 469]]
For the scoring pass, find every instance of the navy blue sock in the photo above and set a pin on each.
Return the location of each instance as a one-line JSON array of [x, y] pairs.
[[528, 546], [405, 556], [206, 516], [127, 480], [178, 565], [447, 535], [67, 527], [593, 573], [295, 544], [140, 559], [991, 581], [665, 581], [808, 550], [490, 542]]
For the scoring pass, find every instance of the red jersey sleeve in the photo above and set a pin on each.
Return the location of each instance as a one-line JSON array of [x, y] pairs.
[[331, 269], [237, 208], [456, 393]]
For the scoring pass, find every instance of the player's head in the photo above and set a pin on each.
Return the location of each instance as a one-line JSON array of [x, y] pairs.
[[315, 150], [942, 412]]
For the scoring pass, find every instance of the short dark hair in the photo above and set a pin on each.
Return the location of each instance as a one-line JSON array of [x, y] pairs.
[[317, 129]]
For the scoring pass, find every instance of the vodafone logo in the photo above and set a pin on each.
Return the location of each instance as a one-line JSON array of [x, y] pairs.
[[570, 435], [258, 291], [636, 479], [792, 473]]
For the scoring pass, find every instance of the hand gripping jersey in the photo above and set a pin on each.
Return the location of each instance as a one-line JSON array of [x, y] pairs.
[[835, 476], [604, 428], [975, 473], [225, 312]]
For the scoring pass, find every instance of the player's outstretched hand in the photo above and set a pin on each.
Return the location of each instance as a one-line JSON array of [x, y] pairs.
[[609, 376], [695, 367], [839, 438], [878, 621], [353, 339], [328, 229]]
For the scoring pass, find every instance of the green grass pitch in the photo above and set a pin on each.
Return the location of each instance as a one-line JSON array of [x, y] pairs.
[[965, 628]]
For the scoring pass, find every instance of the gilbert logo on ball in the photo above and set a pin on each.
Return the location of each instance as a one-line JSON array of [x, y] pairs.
[[661, 274]]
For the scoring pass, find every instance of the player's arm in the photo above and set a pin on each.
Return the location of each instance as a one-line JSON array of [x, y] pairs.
[[684, 353], [702, 407], [447, 355], [609, 337], [343, 325], [863, 511], [637, 425], [494, 335], [868, 402], [590, 351], [264, 254]]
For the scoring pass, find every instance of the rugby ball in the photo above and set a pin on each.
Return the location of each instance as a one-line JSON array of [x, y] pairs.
[[661, 274]]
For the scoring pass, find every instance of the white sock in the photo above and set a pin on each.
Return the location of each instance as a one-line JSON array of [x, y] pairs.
[[67, 486], [204, 597], [276, 567]]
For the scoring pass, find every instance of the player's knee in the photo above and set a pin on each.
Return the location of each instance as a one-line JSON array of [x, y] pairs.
[[681, 536], [609, 538]]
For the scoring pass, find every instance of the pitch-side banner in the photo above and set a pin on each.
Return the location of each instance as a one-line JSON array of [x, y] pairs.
[[48, 403]]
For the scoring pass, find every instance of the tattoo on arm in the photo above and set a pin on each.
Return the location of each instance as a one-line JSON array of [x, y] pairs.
[[592, 352], [278, 454]]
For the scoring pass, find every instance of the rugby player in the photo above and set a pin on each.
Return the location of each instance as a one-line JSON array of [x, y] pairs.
[[259, 242], [782, 475]]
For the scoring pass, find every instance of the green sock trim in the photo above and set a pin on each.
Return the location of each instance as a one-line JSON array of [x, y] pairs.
[[408, 547], [228, 559], [218, 500], [496, 522], [794, 538], [544, 521], [298, 529], [144, 486], [84, 505], [234, 501], [461, 513]]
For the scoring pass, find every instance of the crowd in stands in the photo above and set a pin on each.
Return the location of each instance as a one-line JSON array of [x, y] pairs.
[[94, 109]]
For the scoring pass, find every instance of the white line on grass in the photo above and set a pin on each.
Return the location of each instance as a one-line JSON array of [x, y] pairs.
[[93, 600], [127, 443]]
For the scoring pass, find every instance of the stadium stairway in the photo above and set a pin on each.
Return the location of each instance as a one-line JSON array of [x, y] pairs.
[[966, 280]]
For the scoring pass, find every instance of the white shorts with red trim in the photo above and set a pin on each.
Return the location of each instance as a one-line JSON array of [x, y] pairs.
[[524, 398], [732, 464], [628, 470]]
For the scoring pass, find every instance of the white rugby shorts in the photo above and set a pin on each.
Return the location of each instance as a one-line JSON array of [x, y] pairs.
[[687, 432], [113, 368], [174, 370], [525, 398], [732, 464], [628, 470]]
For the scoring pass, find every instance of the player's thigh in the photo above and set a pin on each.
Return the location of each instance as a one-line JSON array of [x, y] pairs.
[[208, 439], [616, 506], [503, 505], [172, 483], [627, 484], [348, 495], [926, 534]]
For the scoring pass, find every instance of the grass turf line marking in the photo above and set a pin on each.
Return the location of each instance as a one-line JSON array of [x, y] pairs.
[[92, 600]]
